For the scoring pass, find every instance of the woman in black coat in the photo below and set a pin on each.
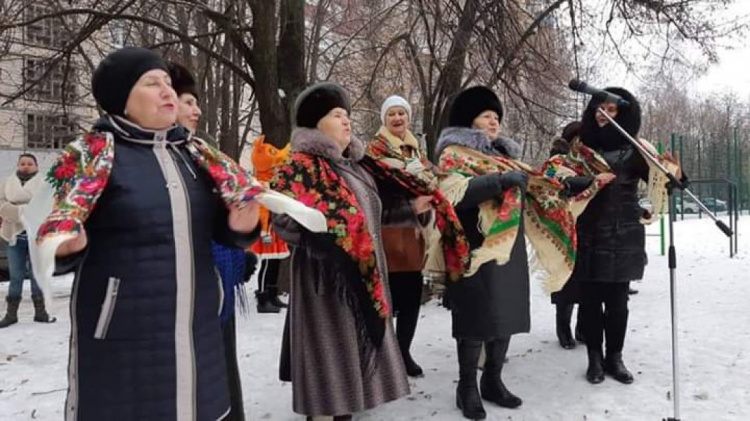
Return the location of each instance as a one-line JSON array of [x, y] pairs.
[[492, 304], [611, 238]]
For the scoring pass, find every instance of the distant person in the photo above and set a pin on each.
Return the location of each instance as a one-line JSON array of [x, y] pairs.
[[15, 192]]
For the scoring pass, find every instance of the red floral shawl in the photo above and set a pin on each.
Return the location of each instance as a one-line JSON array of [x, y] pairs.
[[311, 179], [81, 173]]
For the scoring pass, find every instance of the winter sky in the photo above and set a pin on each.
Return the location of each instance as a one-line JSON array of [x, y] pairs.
[[730, 74]]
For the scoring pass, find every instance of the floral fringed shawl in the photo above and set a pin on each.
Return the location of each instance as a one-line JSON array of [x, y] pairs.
[[549, 221], [312, 180], [386, 163]]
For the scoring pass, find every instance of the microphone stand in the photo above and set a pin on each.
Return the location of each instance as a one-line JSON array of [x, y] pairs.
[[673, 184]]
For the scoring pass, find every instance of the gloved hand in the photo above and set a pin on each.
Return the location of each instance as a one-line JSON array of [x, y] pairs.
[[414, 166], [514, 179]]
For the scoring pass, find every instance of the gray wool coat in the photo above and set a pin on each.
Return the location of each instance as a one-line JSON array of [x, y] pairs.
[[322, 350]]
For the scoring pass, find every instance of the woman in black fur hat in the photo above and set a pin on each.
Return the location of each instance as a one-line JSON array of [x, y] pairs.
[[339, 351], [492, 304], [611, 249]]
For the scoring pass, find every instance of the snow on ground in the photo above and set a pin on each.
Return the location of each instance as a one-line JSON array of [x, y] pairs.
[[713, 293]]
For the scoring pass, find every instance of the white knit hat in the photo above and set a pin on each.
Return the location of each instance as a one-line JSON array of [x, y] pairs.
[[394, 101]]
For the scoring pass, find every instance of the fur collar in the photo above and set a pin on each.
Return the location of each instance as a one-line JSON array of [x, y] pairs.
[[477, 140], [315, 142]]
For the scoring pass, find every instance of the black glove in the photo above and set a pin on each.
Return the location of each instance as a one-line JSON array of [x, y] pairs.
[[684, 182], [577, 184], [514, 179]]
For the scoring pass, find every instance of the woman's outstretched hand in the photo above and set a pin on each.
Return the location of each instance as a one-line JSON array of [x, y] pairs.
[[244, 219], [73, 246]]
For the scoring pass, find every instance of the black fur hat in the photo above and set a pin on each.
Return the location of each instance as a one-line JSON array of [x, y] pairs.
[[607, 137], [472, 102], [183, 81], [316, 101]]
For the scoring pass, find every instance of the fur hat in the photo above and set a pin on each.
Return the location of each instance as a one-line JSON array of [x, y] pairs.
[[117, 73], [183, 81], [571, 130], [607, 137], [316, 101], [394, 101], [472, 102]]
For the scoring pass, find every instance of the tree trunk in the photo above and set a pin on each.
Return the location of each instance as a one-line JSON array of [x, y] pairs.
[[449, 82]]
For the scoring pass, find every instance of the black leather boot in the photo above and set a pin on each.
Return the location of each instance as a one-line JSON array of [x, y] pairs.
[[406, 326], [580, 337], [264, 304], [11, 313], [595, 371], [562, 322], [467, 392], [492, 386], [614, 366], [40, 312]]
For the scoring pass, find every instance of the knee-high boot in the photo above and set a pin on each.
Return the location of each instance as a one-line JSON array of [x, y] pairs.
[[492, 386], [467, 393], [615, 326], [562, 322]]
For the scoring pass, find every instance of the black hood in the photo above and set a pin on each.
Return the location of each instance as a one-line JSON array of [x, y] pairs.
[[608, 137]]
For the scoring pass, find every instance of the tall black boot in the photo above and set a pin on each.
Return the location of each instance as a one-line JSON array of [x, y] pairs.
[[595, 371], [492, 386], [467, 393], [614, 366], [40, 313], [406, 326], [11, 313], [580, 337], [562, 321], [615, 327]]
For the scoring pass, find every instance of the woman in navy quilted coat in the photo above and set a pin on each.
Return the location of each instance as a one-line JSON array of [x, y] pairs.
[[146, 340]]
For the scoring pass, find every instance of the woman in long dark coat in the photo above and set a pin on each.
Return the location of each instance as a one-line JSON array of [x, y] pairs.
[[341, 349], [491, 305], [611, 238], [137, 204]]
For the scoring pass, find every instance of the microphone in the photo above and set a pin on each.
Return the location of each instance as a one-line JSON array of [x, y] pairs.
[[600, 94]]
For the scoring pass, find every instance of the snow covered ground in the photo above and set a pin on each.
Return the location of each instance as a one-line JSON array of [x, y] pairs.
[[714, 328]]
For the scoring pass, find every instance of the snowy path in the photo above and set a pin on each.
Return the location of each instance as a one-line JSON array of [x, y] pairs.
[[714, 292]]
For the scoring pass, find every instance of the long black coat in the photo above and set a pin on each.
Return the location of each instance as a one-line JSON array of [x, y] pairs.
[[611, 239], [494, 302]]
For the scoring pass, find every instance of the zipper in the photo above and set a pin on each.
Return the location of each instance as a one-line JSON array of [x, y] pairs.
[[221, 290], [108, 308]]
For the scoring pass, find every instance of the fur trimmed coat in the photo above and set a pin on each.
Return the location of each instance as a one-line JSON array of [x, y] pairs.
[[323, 353]]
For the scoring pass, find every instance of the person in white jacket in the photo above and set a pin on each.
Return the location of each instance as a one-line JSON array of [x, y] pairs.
[[15, 192]]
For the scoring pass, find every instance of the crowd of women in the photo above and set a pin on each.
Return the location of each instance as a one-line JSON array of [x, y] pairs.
[[155, 221]]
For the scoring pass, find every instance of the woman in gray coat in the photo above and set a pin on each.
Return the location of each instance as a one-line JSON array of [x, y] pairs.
[[493, 303], [341, 350]]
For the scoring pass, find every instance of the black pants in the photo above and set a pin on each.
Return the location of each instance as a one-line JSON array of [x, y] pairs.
[[237, 413], [406, 291], [605, 314], [268, 276]]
